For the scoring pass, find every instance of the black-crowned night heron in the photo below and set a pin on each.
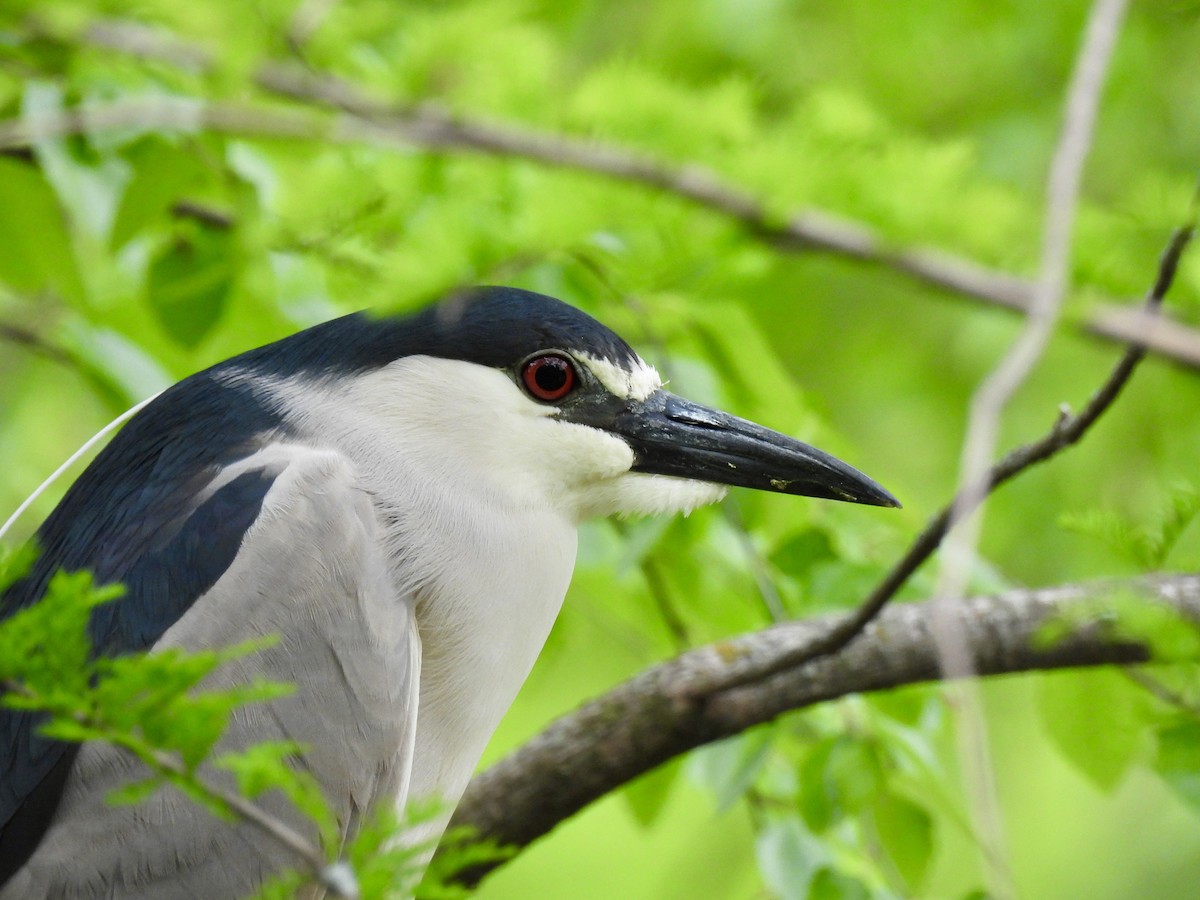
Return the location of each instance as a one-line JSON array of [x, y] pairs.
[[397, 499]]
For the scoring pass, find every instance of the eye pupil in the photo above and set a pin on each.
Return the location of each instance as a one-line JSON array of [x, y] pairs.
[[549, 377]]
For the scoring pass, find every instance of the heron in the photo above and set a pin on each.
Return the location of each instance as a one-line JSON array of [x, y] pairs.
[[397, 498]]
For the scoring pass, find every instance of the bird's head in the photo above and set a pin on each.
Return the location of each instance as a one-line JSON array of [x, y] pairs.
[[519, 393]]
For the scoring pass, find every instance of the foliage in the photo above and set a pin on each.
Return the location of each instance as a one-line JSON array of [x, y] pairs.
[[146, 704], [136, 255], [387, 869], [153, 705], [1148, 546]]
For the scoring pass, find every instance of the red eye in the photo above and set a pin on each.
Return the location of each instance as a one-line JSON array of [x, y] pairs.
[[549, 377]]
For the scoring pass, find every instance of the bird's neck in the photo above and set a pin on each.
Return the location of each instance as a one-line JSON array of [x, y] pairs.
[[490, 579]]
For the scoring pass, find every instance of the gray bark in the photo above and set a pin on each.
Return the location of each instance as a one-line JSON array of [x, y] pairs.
[[679, 705]]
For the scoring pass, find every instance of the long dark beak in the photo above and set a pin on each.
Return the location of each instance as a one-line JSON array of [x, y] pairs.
[[673, 436]]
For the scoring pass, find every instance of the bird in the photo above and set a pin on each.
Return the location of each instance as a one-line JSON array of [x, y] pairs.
[[397, 498]]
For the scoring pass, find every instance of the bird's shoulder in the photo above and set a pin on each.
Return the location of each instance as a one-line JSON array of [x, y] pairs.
[[309, 564], [165, 510]]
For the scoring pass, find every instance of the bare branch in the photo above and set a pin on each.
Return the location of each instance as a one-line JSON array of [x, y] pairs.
[[1151, 329], [808, 230], [986, 409], [654, 716], [142, 41], [34, 342], [433, 129], [994, 393]]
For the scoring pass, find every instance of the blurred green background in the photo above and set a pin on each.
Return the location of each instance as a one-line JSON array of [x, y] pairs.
[[132, 256]]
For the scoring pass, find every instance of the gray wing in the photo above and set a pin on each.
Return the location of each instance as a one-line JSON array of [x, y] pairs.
[[311, 569]]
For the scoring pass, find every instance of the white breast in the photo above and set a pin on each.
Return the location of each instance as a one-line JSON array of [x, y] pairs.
[[482, 624]]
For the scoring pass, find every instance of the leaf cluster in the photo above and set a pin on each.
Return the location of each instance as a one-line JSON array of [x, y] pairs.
[[155, 707]]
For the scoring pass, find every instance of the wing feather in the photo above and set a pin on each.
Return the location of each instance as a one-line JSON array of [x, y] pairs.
[[311, 569]]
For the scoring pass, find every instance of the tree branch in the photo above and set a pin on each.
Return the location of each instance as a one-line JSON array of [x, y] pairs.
[[654, 716], [1150, 328], [428, 127], [1066, 431], [808, 230], [35, 343]]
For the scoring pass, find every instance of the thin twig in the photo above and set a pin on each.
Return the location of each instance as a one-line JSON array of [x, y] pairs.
[[1150, 328], [141, 41], [661, 595], [1162, 692], [23, 337], [204, 214], [279, 831], [983, 427], [332, 877], [997, 389]]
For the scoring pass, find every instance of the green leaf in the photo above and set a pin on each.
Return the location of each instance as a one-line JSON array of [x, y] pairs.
[[788, 856], [906, 832], [729, 767], [839, 777], [814, 800], [648, 795], [1111, 529], [1183, 504], [58, 664], [162, 173], [802, 550], [134, 792], [62, 729], [830, 884], [37, 255], [1178, 760], [1147, 545], [905, 706], [1097, 721], [189, 284], [853, 773]]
